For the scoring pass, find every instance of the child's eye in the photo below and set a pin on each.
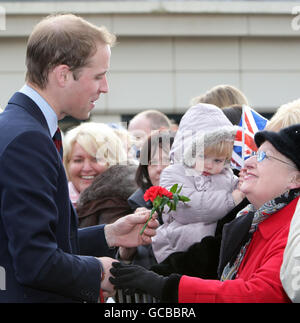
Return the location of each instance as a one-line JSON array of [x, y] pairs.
[[219, 160]]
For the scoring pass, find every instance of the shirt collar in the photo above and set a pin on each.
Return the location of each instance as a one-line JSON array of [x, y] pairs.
[[44, 106]]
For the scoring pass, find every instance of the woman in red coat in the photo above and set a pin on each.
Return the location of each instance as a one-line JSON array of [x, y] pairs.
[[252, 245]]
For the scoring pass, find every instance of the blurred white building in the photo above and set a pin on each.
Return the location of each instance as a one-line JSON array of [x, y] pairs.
[[171, 51]]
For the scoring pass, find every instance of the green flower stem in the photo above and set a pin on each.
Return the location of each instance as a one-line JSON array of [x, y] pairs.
[[150, 217]]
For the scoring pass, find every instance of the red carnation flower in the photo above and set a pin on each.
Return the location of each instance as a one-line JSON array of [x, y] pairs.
[[155, 191], [160, 197]]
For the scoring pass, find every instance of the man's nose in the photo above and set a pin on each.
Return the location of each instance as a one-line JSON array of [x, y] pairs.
[[103, 86]]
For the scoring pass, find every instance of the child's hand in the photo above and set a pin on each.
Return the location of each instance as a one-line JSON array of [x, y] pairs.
[[242, 173], [238, 196]]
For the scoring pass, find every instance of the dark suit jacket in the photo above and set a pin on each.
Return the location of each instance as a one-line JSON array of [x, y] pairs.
[[39, 240]]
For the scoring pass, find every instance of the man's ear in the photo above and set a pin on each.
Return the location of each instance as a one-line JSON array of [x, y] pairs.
[[61, 74]]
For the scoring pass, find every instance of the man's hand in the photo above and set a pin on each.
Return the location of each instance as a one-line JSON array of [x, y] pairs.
[[125, 232], [106, 286]]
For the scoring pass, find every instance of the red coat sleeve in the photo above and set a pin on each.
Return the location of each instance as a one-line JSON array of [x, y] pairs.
[[258, 279]]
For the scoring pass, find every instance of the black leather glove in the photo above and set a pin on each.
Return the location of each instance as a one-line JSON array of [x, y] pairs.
[[133, 278]]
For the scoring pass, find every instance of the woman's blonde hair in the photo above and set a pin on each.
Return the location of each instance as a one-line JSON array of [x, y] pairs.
[[222, 96], [286, 115], [97, 139]]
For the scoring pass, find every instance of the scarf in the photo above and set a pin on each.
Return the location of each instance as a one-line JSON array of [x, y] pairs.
[[260, 215]]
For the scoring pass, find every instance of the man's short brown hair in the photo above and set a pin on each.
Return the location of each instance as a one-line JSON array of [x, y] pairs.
[[62, 39]]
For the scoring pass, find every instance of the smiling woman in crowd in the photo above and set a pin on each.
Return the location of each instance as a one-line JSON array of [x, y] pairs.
[[252, 245], [89, 150]]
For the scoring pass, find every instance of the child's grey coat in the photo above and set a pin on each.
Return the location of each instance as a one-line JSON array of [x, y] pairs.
[[211, 197]]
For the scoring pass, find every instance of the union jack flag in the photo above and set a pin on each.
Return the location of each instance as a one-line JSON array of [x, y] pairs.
[[244, 144]]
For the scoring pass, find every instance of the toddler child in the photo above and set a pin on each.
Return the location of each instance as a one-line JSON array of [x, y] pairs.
[[200, 157]]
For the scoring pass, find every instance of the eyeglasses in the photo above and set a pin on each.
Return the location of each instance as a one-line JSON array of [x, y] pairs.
[[261, 155]]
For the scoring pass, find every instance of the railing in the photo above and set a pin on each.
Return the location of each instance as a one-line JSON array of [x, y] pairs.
[[121, 297]]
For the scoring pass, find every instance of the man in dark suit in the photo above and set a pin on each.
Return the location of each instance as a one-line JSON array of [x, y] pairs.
[[44, 256]]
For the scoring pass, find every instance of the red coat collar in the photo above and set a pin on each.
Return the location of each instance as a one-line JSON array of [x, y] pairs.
[[278, 220]]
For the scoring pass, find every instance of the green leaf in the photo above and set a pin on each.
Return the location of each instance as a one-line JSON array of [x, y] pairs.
[[180, 189], [183, 198], [174, 188]]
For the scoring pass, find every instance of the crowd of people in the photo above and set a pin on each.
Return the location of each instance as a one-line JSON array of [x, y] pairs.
[[72, 205]]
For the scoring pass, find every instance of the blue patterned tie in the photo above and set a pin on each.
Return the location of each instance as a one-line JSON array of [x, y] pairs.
[[58, 143]]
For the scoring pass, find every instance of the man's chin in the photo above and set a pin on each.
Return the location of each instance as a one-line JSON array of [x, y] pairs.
[[82, 117], [87, 117], [83, 114]]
